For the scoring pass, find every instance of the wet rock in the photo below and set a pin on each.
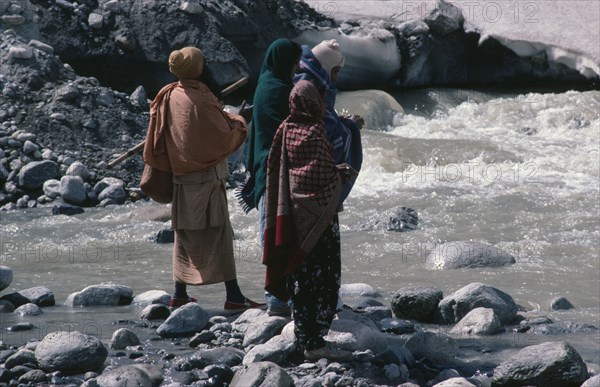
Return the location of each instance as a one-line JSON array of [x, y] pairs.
[[263, 329], [6, 306], [152, 297], [139, 98], [39, 295], [23, 356], [41, 46], [438, 349], [124, 376], [29, 147], [592, 382], [101, 295], [261, 374], [20, 52], [185, 321], [78, 169], [105, 182], [396, 326], [445, 18], [479, 321], [562, 328], [219, 355], [362, 303], [22, 326], [6, 277], [66, 209], [34, 174], [455, 382], [202, 338], [358, 290], [114, 192], [547, 364], [246, 319], [51, 188], [466, 254], [416, 303], [33, 376], [276, 350], [164, 236], [455, 306], [28, 310], [403, 219], [191, 8], [123, 338], [155, 312], [70, 352], [561, 303], [72, 189], [377, 313]]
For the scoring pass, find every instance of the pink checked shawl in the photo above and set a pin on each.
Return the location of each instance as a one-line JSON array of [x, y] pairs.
[[302, 188]]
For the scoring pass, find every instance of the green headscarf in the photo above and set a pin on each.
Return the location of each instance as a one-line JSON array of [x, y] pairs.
[[271, 107]]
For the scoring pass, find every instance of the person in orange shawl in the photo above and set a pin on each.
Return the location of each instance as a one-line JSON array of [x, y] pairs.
[[302, 238], [191, 136]]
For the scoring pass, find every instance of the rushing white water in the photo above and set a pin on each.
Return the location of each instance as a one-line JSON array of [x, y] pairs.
[[519, 172]]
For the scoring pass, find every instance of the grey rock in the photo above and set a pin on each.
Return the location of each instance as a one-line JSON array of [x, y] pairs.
[[78, 169], [164, 236], [41, 46], [72, 189], [155, 312], [38, 295], [126, 376], [67, 93], [396, 326], [228, 356], [276, 350], [6, 306], [33, 377], [261, 374], [466, 254], [115, 192], [123, 338], [479, 321], [414, 27], [105, 98], [101, 295], [112, 6], [20, 52], [29, 147], [23, 356], [438, 349], [456, 306], [416, 303], [51, 188], [403, 219], [246, 319], [34, 174], [6, 277], [377, 313], [28, 310], [70, 352], [12, 20], [455, 382], [47, 154], [358, 290], [202, 338], [152, 297], [185, 321], [561, 303], [548, 364], [445, 18], [3, 173], [263, 329], [592, 382], [191, 8], [95, 20], [66, 209], [139, 98]]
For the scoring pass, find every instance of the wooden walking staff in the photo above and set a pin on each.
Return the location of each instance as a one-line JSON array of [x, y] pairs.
[[139, 147]]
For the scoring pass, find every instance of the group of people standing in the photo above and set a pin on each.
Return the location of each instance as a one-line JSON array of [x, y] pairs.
[[302, 161]]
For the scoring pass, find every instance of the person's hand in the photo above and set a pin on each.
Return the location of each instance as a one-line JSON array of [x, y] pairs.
[[347, 173], [246, 112], [358, 120]]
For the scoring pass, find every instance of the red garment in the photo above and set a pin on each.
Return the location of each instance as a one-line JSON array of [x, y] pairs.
[[302, 191]]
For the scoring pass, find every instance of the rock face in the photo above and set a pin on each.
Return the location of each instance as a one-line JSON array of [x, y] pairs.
[[458, 255], [479, 321], [101, 295], [550, 364], [456, 306], [185, 321], [416, 303], [262, 374], [70, 352]]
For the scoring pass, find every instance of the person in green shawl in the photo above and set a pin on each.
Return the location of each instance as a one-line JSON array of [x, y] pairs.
[[271, 107]]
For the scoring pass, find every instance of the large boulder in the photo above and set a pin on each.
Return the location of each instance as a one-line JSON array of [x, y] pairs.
[[101, 295], [466, 254], [263, 329], [277, 350], [261, 374], [72, 189], [39, 295], [6, 277], [70, 352], [552, 364], [115, 192], [456, 306], [34, 174], [479, 321], [416, 303], [185, 321]]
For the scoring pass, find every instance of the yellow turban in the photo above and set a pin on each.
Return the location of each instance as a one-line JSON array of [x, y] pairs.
[[186, 63]]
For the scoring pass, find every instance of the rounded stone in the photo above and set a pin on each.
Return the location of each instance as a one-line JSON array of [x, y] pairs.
[[70, 352]]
